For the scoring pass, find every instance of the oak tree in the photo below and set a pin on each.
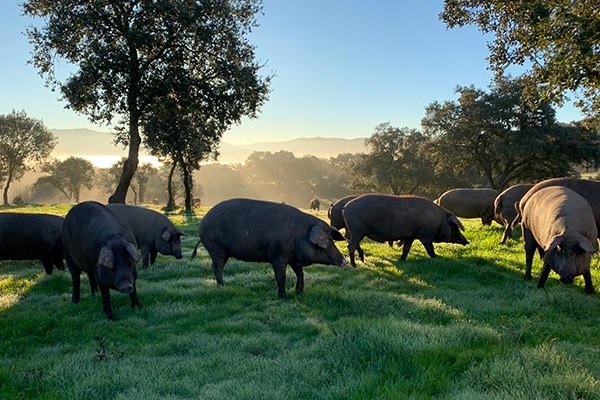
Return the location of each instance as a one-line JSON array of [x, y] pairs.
[[68, 176], [124, 52], [395, 163], [556, 41], [23, 141], [502, 139]]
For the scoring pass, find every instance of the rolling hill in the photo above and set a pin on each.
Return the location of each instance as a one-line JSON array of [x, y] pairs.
[[99, 147]]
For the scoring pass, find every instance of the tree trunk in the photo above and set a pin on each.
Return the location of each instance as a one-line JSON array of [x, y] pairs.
[[8, 181], [129, 167], [188, 185], [140, 193], [5, 195], [135, 194], [171, 201]]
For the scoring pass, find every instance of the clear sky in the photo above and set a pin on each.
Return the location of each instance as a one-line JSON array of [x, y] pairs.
[[341, 67]]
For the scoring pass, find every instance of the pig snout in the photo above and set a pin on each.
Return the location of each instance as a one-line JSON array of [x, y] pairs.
[[179, 256], [343, 263], [125, 287]]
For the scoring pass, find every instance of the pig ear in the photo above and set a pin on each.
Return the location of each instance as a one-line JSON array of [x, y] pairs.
[[586, 245], [132, 251], [457, 222], [106, 258], [166, 235], [336, 234], [554, 244], [318, 236]]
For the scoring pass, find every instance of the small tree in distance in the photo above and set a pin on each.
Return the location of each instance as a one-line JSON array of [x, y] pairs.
[[68, 176], [395, 164], [23, 140]]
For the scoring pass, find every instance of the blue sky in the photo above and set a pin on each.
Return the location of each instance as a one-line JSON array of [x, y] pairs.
[[341, 67]]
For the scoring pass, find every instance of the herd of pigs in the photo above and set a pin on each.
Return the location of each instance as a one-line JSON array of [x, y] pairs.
[[559, 218]]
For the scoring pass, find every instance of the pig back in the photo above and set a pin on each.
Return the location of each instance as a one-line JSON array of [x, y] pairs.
[[87, 228], [145, 224], [336, 218], [26, 236], [391, 217], [588, 189], [469, 203], [555, 210], [255, 230], [504, 204]]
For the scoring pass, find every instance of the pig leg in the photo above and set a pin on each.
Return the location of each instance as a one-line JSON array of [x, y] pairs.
[[58, 263], [544, 275], [145, 257], [361, 253], [135, 302], [279, 269], [219, 259], [429, 248], [406, 248], [152, 256], [48, 265], [353, 246], [507, 233], [106, 306], [93, 282], [76, 280], [76, 286], [530, 247], [299, 279], [587, 277]]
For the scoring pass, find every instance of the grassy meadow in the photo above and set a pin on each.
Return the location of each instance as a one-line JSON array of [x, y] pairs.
[[464, 325]]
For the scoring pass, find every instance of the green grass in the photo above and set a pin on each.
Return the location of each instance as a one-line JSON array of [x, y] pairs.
[[462, 326]]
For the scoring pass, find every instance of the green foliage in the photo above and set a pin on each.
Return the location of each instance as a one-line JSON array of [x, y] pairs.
[[23, 140], [396, 162], [152, 63], [556, 41], [497, 136], [463, 325]]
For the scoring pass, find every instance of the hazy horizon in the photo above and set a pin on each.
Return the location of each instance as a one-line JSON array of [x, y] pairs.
[[98, 147]]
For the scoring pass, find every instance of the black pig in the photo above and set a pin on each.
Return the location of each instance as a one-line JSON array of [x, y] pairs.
[[153, 231], [263, 231], [384, 217], [26, 236], [96, 242]]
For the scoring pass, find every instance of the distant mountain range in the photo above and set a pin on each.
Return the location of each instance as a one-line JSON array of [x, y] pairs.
[[99, 147]]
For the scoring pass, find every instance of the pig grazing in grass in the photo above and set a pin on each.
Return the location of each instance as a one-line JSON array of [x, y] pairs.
[[504, 207], [263, 231], [470, 203], [25, 236], [383, 218], [560, 224], [153, 231], [96, 242]]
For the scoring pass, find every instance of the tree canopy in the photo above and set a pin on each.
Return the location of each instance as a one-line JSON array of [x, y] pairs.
[[68, 176], [396, 163], [557, 41], [127, 52], [502, 138], [23, 140]]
